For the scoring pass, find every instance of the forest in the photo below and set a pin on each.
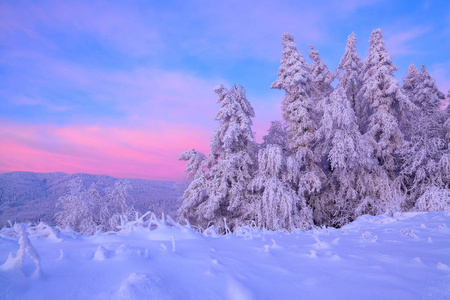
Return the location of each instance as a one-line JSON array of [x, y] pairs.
[[350, 143]]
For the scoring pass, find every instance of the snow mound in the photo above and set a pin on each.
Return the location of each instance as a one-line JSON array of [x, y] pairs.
[[142, 286], [102, 253]]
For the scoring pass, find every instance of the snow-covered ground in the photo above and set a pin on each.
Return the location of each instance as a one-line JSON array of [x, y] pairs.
[[401, 257]]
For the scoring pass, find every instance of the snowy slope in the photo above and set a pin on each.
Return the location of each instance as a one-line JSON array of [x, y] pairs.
[[402, 257]]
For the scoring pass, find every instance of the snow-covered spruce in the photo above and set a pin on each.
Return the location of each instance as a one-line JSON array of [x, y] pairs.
[[321, 76], [349, 74], [276, 135], [195, 165], [350, 168], [275, 205], [421, 157], [298, 107], [222, 192], [434, 199], [384, 104]]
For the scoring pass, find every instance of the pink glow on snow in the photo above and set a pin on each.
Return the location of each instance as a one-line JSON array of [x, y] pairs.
[[139, 153]]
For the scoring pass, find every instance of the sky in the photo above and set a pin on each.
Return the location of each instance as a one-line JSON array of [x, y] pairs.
[[123, 87]]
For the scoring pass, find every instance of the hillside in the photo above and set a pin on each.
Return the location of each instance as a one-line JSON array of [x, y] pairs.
[[28, 196]]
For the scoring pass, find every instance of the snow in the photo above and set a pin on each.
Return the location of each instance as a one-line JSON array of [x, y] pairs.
[[406, 256]]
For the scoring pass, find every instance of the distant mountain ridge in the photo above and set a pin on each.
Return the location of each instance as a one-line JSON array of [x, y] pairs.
[[29, 196]]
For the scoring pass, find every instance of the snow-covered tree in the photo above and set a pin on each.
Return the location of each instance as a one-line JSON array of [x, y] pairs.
[[299, 114], [429, 97], [410, 86], [350, 166], [195, 165], [385, 102], [434, 199], [275, 205], [86, 211], [321, 76], [293, 69], [118, 206], [349, 73], [222, 191], [422, 154], [276, 135], [428, 118], [79, 208], [297, 105], [411, 80]]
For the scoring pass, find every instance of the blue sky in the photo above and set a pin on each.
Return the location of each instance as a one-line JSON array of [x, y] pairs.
[[123, 87]]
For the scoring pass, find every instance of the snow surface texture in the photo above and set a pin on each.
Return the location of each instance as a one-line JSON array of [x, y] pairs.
[[402, 257], [31, 197]]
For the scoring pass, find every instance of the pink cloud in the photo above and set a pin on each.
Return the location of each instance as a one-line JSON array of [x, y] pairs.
[[142, 153]]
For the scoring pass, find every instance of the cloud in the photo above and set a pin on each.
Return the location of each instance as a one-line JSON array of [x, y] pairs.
[[89, 95], [129, 30], [402, 42], [253, 29], [123, 152]]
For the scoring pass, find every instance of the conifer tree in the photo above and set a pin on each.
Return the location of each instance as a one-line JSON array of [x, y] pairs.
[[277, 135], [321, 76], [410, 86], [222, 191], [298, 112], [195, 165], [385, 102], [349, 167], [350, 70], [275, 205], [421, 156], [297, 105], [411, 81]]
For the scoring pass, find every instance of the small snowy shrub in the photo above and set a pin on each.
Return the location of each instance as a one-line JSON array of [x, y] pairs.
[[117, 207], [79, 208], [86, 211]]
